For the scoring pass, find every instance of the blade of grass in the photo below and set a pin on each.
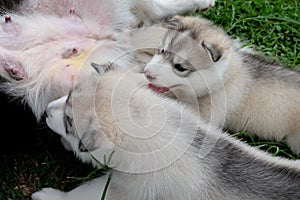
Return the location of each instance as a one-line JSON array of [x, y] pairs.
[[106, 187]]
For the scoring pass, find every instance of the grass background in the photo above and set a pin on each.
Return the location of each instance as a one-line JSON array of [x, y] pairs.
[[271, 27]]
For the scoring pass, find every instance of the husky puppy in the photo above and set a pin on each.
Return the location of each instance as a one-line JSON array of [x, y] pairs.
[[44, 42], [236, 88], [158, 148]]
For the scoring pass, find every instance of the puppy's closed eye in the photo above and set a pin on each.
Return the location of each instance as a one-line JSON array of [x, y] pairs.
[[81, 147], [87, 142]]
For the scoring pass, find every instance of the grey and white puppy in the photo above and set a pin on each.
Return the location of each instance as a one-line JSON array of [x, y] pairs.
[[158, 148], [235, 88]]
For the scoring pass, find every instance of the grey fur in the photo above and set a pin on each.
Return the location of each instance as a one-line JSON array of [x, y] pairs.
[[242, 172], [246, 174], [262, 68]]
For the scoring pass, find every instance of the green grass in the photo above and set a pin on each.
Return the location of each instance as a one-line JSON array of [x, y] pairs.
[[271, 27], [274, 148], [49, 165]]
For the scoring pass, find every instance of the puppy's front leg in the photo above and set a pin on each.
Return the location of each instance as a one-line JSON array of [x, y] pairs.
[[149, 11], [91, 190], [180, 6]]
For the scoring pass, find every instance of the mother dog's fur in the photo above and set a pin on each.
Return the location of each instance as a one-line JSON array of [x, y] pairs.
[[44, 42]]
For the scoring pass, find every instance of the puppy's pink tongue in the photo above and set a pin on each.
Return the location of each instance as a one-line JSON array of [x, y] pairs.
[[157, 89]]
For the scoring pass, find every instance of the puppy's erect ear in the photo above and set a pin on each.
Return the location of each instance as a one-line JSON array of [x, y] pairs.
[[101, 69], [88, 141], [172, 23], [213, 50]]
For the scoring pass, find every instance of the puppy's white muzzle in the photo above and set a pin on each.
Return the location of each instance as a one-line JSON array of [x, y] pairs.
[[55, 115]]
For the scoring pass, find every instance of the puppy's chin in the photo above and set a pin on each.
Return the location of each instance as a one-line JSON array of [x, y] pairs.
[[55, 115], [56, 126]]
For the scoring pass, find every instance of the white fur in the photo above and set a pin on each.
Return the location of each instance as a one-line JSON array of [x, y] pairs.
[[157, 161]]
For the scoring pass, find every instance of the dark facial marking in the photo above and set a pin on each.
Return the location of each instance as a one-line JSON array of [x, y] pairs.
[[81, 147], [68, 121], [213, 50], [87, 142]]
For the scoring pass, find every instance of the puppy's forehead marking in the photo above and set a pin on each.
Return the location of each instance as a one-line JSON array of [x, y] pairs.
[[68, 108], [170, 40], [167, 39], [69, 97], [67, 115], [173, 40], [168, 45]]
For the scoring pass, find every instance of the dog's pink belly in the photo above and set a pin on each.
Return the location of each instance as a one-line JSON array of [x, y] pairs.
[[62, 63], [13, 68]]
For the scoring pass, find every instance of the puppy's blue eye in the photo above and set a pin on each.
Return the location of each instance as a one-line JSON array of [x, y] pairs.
[[179, 67]]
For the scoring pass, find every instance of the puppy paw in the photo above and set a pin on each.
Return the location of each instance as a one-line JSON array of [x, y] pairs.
[[203, 5], [48, 194]]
